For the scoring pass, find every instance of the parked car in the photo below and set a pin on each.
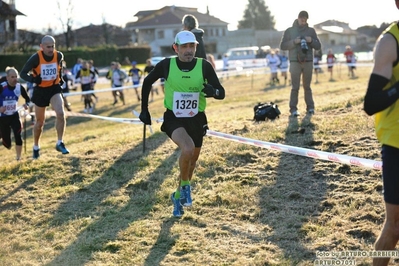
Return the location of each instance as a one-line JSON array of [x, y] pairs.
[[245, 57], [156, 59], [242, 53]]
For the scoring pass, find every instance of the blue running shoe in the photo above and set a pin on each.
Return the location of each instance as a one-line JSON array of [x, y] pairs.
[[36, 154], [61, 148], [185, 196], [177, 207]]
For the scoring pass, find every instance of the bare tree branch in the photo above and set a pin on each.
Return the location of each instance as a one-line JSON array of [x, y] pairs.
[[66, 21]]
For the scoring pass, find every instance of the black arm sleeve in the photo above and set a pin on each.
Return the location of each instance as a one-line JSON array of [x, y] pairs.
[[376, 98], [212, 78], [60, 59], [32, 62], [24, 94]]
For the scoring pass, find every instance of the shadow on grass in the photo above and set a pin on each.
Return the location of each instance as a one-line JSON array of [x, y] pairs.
[[107, 220], [27, 133], [15, 205], [163, 244], [76, 120], [17, 171], [295, 197], [272, 87]]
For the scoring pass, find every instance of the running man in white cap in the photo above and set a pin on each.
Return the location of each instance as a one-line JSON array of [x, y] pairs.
[[188, 82]]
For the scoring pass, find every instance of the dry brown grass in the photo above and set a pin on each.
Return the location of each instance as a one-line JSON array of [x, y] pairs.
[[107, 203]]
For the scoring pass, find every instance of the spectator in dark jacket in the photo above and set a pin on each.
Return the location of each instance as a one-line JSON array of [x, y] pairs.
[[300, 40], [190, 23]]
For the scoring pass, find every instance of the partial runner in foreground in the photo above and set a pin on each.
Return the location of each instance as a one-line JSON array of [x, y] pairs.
[[381, 100]]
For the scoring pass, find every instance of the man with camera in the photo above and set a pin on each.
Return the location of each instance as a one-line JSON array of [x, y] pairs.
[[300, 40]]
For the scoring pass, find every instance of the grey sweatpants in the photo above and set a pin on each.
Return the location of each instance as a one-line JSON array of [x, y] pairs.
[[306, 70]]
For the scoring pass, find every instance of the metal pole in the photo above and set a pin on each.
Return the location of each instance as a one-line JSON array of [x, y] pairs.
[[25, 134], [144, 129]]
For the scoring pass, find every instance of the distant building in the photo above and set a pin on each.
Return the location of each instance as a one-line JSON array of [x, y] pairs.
[[158, 28], [95, 35], [336, 35], [8, 24]]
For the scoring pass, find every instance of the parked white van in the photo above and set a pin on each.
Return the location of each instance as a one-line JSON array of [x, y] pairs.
[[245, 57], [243, 53]]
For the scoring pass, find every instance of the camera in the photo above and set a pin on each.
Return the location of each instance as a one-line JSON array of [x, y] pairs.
[[304, 46]]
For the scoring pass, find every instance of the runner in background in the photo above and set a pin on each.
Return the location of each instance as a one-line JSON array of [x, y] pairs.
[[136, 74], [10, 91]]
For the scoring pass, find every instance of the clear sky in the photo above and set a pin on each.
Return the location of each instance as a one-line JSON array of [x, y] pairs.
[[40, 14]]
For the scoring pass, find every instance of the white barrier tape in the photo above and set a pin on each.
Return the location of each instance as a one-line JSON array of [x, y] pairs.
[[106, 90], [366, 163], [96, 91], [115, 119], [315, 154], [138, 114], [247, 70], [158, 120], [238, 69], [20, 110]]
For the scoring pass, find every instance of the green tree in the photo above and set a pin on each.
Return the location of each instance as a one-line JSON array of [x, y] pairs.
[[257, 16]]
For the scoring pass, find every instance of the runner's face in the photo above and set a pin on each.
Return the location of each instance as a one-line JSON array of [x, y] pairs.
[[48, 48], [186, 51], [12, 78]]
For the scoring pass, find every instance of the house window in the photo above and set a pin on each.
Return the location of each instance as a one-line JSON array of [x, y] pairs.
[[12, 25], [161, 34]]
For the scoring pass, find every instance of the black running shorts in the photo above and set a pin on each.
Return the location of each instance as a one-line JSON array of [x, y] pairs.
[[86, 87], [41, 96], [196, 126], [390, 173]]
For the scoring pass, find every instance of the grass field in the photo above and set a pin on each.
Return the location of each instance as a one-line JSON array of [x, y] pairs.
[[107, 202]]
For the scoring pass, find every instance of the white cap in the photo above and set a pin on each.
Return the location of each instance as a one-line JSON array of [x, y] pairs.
[[184, 37]]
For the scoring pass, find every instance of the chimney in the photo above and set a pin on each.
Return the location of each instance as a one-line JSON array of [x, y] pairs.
[[11, 3]]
